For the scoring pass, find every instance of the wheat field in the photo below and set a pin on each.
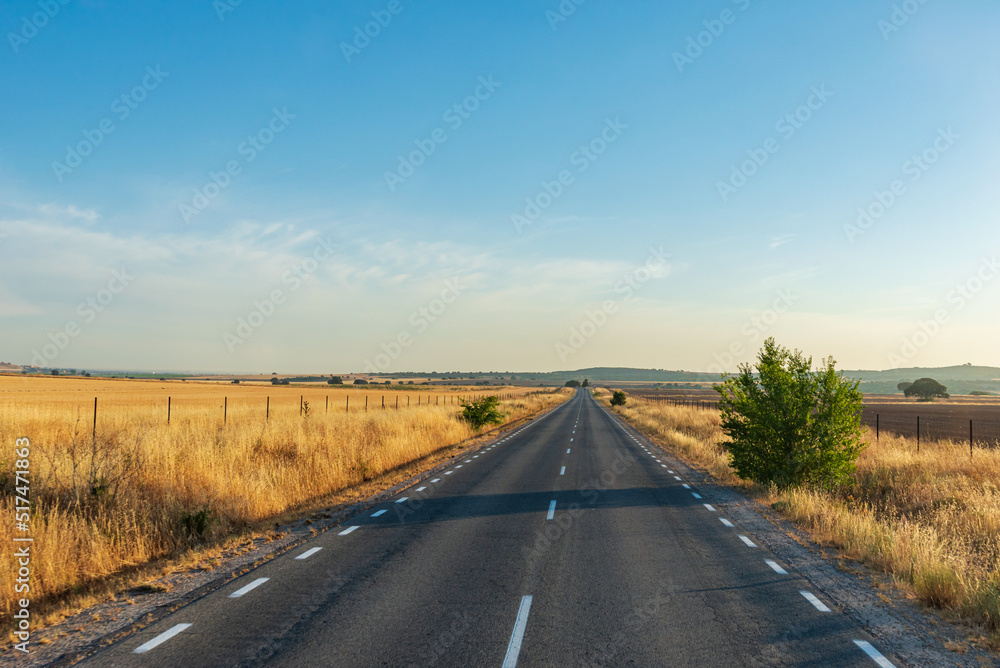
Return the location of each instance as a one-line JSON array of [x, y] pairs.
[[138, 489], [930, 519]]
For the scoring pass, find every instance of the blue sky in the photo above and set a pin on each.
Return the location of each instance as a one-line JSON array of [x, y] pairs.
[[915, 287]]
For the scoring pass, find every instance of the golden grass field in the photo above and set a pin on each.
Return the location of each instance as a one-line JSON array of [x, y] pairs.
[[931, 520], [144, 490]]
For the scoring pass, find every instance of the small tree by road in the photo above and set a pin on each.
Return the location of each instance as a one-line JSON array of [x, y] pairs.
[[618, 398], [926, 389], [483, 412], [788, 425]]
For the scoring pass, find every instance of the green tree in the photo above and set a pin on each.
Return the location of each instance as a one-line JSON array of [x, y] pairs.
[[788, 425], [902, 386], [926, 389], [572, 383], [335, 380], [618, 398], [483, 412], [586, 383]]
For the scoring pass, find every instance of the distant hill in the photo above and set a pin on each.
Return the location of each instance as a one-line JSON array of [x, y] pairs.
[[622, 374], [959, 379]]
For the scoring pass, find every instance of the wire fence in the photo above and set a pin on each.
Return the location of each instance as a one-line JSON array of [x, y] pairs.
[[960, 424], [977, 425]]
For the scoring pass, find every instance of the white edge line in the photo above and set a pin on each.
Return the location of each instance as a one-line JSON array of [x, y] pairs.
[[160, 639], [517, 636], [308, 553], [775, 567], [818, 604], [250, 587], [874, 654]]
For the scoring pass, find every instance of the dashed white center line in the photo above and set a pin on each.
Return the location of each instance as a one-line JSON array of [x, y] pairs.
[[436, 480], [517, 637], [458, 466], [448, 472], [347, 531], [475, 456], [663, 465], [726, 522], [552, 510], [420, 489], [696, 495], [379, 513], [308, 553], [676, 478], [818, 604], [563, 471], [401, 499], [709, 507], [775, 567], [160, 639], [571, 440], [749, 543], [874, 654], [567, 450], [669, 471], [250, 587], [686, 486]]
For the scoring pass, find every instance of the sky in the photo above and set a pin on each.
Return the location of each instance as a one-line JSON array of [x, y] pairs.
[[406, 185]]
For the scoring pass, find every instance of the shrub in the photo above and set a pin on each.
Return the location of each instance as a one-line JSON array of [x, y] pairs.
[[197, 523], [483, 412], [788, 425], [618, 398], [572, 383]]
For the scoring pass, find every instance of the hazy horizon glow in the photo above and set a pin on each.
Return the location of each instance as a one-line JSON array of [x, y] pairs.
[[244, 187]]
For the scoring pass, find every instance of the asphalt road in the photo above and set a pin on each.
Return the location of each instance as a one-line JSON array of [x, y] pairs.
[[567, 543]]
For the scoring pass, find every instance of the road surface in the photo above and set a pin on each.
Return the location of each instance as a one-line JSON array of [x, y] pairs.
[[570, 542]]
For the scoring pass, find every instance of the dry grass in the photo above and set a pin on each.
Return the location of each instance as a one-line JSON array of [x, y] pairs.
[[144, 490], [931, 520]]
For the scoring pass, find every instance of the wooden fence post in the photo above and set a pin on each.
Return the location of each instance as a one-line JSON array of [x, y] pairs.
[[267, 413], [168, 410], [94, 435], [225, 409]]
